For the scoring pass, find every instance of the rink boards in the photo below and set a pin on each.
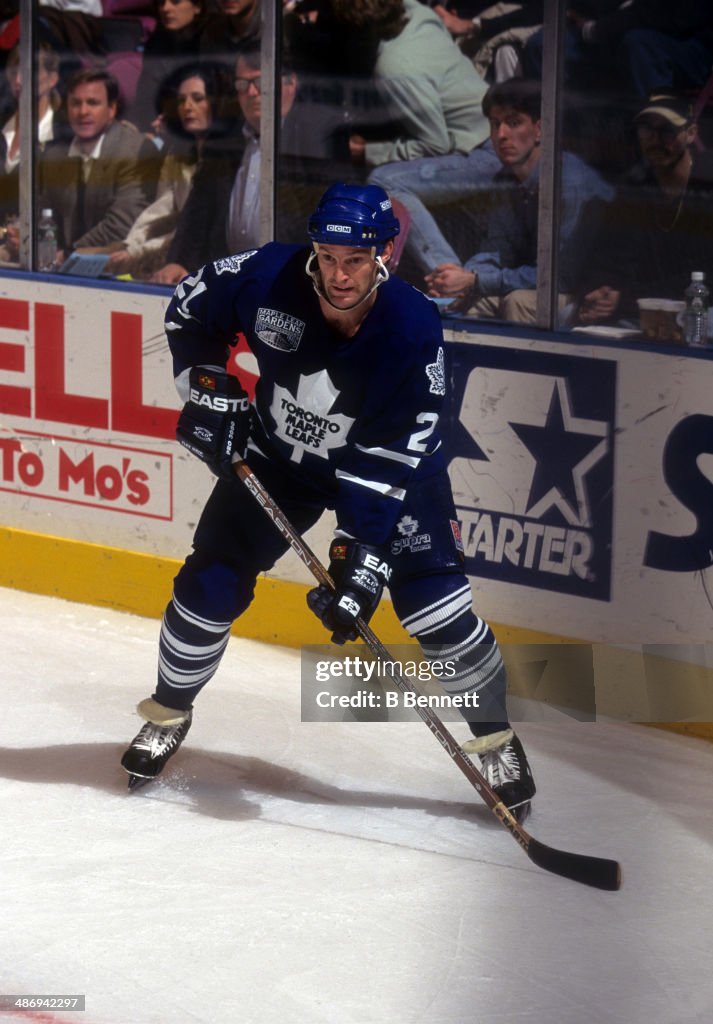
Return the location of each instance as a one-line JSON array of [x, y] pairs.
[[582, 471]]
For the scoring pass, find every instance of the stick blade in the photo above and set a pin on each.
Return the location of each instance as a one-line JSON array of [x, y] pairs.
[[595, 871]]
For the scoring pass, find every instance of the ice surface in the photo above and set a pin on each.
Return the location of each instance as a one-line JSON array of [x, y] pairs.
[[327, 873]]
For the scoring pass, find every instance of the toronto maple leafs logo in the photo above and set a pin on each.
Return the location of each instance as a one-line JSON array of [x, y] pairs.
[[232, 264], [410, 540], [407, 525], [436, 374], [304, 420]]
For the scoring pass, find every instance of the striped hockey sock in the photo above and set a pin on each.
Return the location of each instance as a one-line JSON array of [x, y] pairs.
[[449, 630], [190, 650]]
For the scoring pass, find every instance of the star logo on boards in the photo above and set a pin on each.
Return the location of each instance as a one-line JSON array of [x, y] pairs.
[[533, 467], [565, 449], [305, 421]]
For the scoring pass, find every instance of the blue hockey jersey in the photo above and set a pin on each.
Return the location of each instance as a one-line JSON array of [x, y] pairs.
[[352, 419]]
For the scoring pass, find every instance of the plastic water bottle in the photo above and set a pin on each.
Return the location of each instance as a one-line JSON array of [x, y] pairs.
[[46, 241], [695, 323]]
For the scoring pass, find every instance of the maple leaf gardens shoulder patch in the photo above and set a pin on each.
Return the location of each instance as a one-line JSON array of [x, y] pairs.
[[279, 330]]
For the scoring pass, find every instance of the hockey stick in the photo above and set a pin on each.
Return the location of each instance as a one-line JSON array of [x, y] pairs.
[[594, 871]]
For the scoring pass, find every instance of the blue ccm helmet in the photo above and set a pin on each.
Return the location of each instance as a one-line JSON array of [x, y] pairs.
[[358, 215]]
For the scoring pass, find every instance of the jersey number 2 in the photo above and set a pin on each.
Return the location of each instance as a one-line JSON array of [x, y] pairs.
[[417, 441]]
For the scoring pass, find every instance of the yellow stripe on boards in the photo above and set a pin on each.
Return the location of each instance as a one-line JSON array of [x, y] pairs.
[[131, 581], [141, 584]]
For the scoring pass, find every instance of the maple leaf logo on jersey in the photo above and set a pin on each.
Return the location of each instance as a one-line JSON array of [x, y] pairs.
[[407, 526], [304, 420], [233, 264], [436, 373], [410, 540]]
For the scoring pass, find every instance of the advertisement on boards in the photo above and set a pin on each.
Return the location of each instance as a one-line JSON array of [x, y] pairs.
[[583, 481], [582, 473], [88, 413], [533, 467]]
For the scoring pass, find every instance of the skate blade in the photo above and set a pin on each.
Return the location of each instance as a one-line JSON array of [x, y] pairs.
[[521, 812], [137, 781]]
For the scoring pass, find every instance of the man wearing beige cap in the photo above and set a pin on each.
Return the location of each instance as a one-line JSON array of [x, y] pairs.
[[660, 226]]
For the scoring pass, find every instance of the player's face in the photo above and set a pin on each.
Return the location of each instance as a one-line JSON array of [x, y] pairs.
[[515, 137], [347, 274], [89, 110]]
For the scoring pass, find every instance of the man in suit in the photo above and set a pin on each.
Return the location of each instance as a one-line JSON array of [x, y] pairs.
[[99, 182]]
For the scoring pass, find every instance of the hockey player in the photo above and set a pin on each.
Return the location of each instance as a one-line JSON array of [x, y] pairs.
[[351, 381]]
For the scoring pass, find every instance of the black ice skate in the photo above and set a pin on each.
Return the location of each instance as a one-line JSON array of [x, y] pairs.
[[159, 739], [504, 765]]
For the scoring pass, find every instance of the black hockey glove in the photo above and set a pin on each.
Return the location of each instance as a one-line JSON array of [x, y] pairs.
[[215, 421], [359, 572]]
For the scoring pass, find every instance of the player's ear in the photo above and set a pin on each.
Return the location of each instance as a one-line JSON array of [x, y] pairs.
[[388, 251]]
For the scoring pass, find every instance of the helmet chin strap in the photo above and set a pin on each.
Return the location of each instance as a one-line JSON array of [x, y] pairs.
[[382, 275]]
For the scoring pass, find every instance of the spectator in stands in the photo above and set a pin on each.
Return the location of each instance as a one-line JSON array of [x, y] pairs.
[[9, 24], [236, 22], [222, 214], [434, 190], [91, 7], [48, 104], [99, 182], [322, 44], [429, 87], [195, 108], [74, 28], [649, 44], [175, 41], [495, 36], [501, 278], [660, 226]]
